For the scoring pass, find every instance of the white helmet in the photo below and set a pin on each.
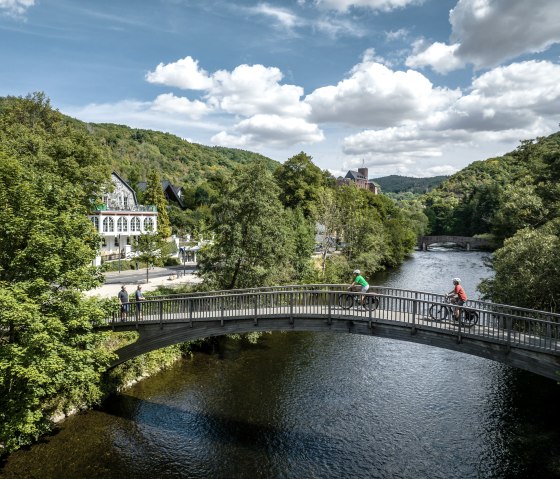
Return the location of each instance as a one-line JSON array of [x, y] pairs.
[[456, 280], [356, 271]]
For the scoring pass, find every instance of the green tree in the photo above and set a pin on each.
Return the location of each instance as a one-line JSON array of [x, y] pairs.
[[154, 196], [301, 182], [50, 358], [150, 248], [252, 244], [527, 268]]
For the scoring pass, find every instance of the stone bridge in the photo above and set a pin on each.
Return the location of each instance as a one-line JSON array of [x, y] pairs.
[[519, 337], [466, 242]]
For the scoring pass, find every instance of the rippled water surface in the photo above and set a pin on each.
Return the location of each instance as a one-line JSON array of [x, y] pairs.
[[310, 405]]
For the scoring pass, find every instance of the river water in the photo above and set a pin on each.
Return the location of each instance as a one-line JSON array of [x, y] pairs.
[[311, 405]]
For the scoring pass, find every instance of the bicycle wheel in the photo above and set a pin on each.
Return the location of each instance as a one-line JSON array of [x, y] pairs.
[[438, 312], [346, 301], [371, 303], [469, 318]]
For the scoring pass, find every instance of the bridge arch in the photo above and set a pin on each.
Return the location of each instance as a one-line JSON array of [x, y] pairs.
[[465, 242], [518, 337]]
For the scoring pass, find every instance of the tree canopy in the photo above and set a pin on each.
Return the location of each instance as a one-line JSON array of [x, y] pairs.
[[50, 358]]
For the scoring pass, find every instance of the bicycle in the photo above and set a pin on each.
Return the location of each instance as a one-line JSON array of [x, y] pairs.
[[440, 312], [347, 300]]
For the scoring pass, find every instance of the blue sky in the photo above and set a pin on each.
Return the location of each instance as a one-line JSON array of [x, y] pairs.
[[411, 87]]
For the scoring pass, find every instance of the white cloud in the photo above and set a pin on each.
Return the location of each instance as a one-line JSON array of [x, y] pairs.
[[375, 96], [502, 106], [183, 73], [270, 130], [382, 5], [399, 34], [283, 17], [492, 31], [169, 103], [15, 8], [515, 97], [486, 33], [439, 56], [255, 89], [247, 90], [140, 114]]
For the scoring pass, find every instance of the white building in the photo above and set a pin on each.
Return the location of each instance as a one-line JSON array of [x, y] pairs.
[[119, 218]]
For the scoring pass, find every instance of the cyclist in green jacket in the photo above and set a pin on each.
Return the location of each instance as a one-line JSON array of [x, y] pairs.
[[359, 281]]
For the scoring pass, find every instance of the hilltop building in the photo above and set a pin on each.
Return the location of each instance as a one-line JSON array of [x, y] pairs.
[[118, 218], [360, 180]]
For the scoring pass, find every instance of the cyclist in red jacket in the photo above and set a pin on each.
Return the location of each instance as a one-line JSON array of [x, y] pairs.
[[458, 296]]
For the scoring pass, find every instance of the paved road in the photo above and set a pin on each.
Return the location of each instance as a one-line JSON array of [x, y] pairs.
[[139, 276]]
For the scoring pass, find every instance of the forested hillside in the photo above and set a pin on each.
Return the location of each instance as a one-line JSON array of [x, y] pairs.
[[516, 199], [134, 153], [402, 184]]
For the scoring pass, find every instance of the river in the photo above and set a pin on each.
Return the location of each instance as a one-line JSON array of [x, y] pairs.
[[311, 405]]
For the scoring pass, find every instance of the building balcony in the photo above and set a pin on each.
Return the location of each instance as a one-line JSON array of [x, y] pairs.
[[102, 207]]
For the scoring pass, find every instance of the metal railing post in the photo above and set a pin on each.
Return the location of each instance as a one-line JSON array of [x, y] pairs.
[[292, 308], [161, 315], [256, 308], [222, 309], [329, 296], [414, 312], [190, 308]]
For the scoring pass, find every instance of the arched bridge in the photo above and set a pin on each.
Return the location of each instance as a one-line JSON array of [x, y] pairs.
[[466, 242], [522, 338]]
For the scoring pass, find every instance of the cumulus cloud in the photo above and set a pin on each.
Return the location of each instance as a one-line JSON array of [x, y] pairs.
[[15, 8], [270, 130], [491, 31], [376, 96], [247, 90], [439, 56], [382, 5], [486, 33], [184, 73], [255, 89], [503, 105], [508, 98]]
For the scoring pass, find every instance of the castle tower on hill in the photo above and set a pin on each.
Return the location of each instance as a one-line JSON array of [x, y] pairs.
[[360, 180]]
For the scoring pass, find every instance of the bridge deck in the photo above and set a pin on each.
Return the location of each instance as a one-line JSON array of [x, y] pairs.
[[162, 321]]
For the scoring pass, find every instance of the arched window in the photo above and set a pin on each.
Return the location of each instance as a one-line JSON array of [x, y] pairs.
[[122, 225], [135, 224], [95, 221], [148, 224], [108, 225]]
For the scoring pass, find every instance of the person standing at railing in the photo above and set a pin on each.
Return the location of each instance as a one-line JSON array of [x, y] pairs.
[[125, 305], [359, 284], [139, 298], [458, 296]]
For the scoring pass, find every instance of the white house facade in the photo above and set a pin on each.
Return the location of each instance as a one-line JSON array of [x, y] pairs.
[[119, 218]]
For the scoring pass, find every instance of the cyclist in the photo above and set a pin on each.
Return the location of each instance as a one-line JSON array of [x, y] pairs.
[[458, 296], [361, 283]]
